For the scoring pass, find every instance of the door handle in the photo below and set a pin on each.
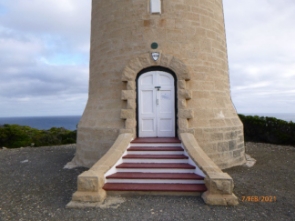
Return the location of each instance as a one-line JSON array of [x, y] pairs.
[[158, 87]]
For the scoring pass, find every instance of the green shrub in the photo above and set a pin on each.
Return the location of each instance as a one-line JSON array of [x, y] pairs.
[[268, 130], [13, 136]]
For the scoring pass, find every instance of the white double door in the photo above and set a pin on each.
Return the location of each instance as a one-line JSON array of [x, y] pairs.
[[156, 104]]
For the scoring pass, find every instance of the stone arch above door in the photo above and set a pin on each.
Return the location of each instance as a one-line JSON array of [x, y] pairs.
[[129, 75]]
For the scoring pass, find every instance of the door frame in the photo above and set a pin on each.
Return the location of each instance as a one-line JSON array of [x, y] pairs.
[[157, 68]]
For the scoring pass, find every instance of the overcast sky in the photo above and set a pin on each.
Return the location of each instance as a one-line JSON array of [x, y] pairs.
[[44, 56]]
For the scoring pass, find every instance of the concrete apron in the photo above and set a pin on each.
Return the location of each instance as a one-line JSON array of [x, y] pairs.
[[90, 192]]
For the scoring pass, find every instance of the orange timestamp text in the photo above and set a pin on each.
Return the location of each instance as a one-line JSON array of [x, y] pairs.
[[256, 199]]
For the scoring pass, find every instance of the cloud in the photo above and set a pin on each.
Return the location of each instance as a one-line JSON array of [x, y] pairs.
[[69, 18], [261, 54], [44, 57]]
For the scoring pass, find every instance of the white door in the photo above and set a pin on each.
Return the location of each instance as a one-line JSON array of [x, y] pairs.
[[156, 108]]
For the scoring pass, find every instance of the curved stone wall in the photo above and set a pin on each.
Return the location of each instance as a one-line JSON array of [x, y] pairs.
[[191, 39]]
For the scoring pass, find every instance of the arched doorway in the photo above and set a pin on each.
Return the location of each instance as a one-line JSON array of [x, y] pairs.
[[156, 104]]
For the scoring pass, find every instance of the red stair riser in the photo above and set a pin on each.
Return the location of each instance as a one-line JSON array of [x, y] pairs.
[[191, 176], [154, 156], [156, 165], [154, 148], [155, 187], [156, 140]]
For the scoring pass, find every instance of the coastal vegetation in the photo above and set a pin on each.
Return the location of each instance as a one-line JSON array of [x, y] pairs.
[[13, 136], [268, 130], [256, 129]]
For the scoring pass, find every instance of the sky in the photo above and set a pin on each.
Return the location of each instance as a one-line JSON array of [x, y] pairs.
[[44, 56]]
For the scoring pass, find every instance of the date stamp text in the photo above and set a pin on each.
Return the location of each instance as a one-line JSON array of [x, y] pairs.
[[256, 199]]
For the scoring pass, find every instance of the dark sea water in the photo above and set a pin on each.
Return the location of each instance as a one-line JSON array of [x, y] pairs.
[[44, 123]]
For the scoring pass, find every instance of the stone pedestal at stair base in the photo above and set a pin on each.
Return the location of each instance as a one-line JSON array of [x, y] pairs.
[[90, 182], [89, 191], [220, 200], [220, 190], [91, 197], [220, 185], [90, 185]]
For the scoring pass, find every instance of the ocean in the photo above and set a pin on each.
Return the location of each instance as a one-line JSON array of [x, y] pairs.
[[44, 123], [71, 122]]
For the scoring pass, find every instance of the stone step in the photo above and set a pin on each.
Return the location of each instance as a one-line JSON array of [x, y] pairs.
[[153, 156], [155, 168], [164, 140], [156, 165], [155, 148], [184, 176], [155, 187]]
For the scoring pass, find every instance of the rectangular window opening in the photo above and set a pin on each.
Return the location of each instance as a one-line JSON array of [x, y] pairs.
[[155, 6]]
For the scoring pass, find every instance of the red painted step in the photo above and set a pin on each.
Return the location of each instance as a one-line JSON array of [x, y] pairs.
[[168, 176], [155, 187], [154, 149], [156, 140], [154, 156], [156, 165]]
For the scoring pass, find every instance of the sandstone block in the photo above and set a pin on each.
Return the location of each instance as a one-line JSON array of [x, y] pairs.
[[200, 123], [232, 144], [130, 124], [203, 113], [182, 123], [220, 200], [216, 136], [127, 114], [231, 135], [145, 60], [165, 60], [131, 85], [135, 65], [223, 146], [219, 183], [128, 74], [125, 131], [181, 84], [88, 182], [179, 67], [238, 153], [182, 103], [131, 104], [186, 94], [127, 94], [98, 196], [185, 130], [187, 114], [217, 123]]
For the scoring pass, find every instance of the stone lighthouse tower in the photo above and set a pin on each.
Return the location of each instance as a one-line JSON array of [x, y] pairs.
[[159, 68]]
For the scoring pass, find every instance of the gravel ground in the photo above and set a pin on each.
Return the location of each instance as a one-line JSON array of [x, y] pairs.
[[34, 186]]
